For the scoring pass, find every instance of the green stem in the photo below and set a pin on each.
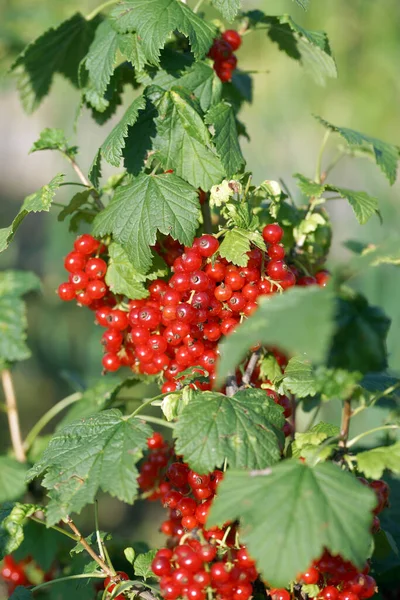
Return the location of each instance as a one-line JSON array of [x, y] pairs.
[[359, 437], [73, 183], [61, 579], [48, 416], [100, 9], [98, 536], [156, 420], [197, 7], [206, 212], [333, 164], [56, 528], [150, 401], [320, 155]]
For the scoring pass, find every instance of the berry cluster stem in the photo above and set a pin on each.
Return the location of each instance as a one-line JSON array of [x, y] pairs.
[[231, 385], [85, 181], [345, 426], [106, 569], [250, 368], [13, 417]]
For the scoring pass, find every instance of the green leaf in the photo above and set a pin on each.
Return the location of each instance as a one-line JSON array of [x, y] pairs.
[[12, 519], [21, 593], [142, 565], [205, 84], [290, 512], [97, 452], [236, 244], [228, 8], [336, 383], [122, 277], [94, 174], [306, 443], [298, 321], [308, 187], [58, 50], [225, 136], [310, 48], [139, 141], [299, 378], [363, 205], [54, 139], [378, 382], [374, 462], [155, 20], [91, 540], [183, 141], [115, 142], [94, 399], [359, 343], [42, 543], [100, 60], [37, 202], [243, 429], [12, 479], [386, 155], [131, 47], [270, 369], [13, 323], [150, 203], [75, 205], [303, 3]]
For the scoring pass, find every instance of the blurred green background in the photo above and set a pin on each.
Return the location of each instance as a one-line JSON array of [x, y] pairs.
[[285, 138]]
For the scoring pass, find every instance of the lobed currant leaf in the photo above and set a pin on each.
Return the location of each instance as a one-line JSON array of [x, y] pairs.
[[374, 462], [131, 47], [101, 57], [386, 155], [114, 144], [236, 243], [12, 479], [183, 141], [58, 50], [244, 429], [290, 512], [155, 20], [122, 277], [270, 369], [142, 565], [96, 452], [54, 139], [228, 8], [306, 443], [37, 202], [299, 378], [298, 321], [225, 137], [77, 202], [363, 205], [94, 174], [149, 203]]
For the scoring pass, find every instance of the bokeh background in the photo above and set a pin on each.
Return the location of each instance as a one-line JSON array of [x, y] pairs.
[[285, 138]]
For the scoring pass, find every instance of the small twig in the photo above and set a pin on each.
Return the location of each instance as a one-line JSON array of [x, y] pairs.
[[69, 578], [318, 169], [13, 417], [231, 385], [251, 365], [345, 426], [365, 433], [98, 536], [110, 572], [55, 528], [85, 181], [156, 421]]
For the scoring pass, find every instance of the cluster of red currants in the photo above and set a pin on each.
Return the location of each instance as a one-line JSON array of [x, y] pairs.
[[381, 490], [222, 53], [15, 573]]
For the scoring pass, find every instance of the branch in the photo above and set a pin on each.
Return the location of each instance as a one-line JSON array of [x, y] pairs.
[[345, 426], [251, 365], [84, 181], [231, 385], [89, 550], [13, 417]]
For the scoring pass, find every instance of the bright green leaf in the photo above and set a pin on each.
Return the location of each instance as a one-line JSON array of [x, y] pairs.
[[142, 565], [75, 205], [12, 479], [155, 20], [58, 50], [131, 47], [308, 187], [236, 244], [386, 155], [54, 139], [100, 451], [270, 369], [94, 174], [298, 321], [290, 512], [150, 203], [122, 277], [37, 202], [183, 141], [205, 84], [228, 8], [242, 429], [115, 142], [91, 540], [12, 519], [299, 378], [225, 136], [374, 462], [18, 283], [336, 384], [306, 443], [363, 205], [100, 60]]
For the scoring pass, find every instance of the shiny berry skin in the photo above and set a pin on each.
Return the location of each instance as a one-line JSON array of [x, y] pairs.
[[233, 38], [155, 441], [272, 233], [346, 595], [216, 272], [144, 353], [112, 339], [178, 474], [234, 280], [219, 573], [279, 594], [243, 558], [199, 281], [224, 74], [266, 287], [276, 269], [306, 281], [86, 244], [79, 280], [189, 522], [191, 261], [161, 566], [96, 289], [171, 298], [202, 511], [83, 298], [102, 314], [237, 302], [311, 576], [66, 291], [223, 293], [186, 506], [227, 63], [322, 278], [329, 593], [276, 251], [96, 268], [195, 592], [149, 318], [118, 319], [288, 281], [171, 591], [207, 245], [243, 591], [196, 480], [180, 282], [139, 335], [109, 585], [74, 262], [158, 289], [111, 362], [220, 50]]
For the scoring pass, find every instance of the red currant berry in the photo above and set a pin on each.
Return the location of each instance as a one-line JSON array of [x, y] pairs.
[[207, 552], [207, 245], [161, 566], [329, 593], [272, 233], [277, 269], [96, 268], [219, 573], [155, 441], [279, 594], [233, 38], [322, 278], [75, 261], [191, 261], [66, 292], [216, 272], [86, 244], [111, 362], [276, 251], [96, 289], [311, 576]]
